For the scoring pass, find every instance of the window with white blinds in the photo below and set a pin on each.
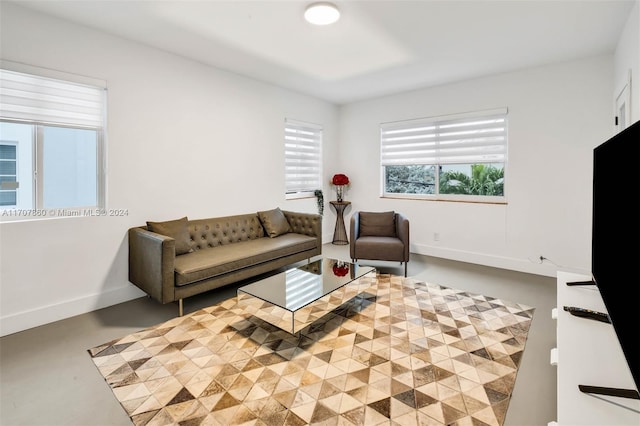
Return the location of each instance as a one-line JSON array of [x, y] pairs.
[[475, 138], [451, 157], [303, 157], [56, 121]]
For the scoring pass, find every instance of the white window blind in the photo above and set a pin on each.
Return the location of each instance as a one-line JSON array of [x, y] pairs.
[[303, 156], [472, 138], [48, 100]]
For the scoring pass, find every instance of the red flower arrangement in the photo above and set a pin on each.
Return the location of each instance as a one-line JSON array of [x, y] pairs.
[[340, 179], [340, 269]]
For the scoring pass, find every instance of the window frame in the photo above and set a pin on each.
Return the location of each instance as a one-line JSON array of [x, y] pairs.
[[100, 168], [435, 156], [37, 161], [293, 127]]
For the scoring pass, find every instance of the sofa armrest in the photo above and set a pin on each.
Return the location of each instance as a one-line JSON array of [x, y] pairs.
[[354, 233], [151, 263], [402, 231], [306, 224]]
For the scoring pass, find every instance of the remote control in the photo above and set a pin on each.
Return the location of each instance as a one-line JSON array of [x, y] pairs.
[[586, 313]]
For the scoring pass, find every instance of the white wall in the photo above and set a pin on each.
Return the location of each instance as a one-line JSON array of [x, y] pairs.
[[627, 59], [557, 115], [183, 139]]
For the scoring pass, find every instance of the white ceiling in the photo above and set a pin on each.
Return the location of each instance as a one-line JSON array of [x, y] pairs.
[[376, 48]]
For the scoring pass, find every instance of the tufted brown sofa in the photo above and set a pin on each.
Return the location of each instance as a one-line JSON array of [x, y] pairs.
[[222, 251]]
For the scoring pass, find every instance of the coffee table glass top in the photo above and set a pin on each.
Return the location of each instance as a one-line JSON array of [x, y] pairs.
[[302, 285], [304, 292]]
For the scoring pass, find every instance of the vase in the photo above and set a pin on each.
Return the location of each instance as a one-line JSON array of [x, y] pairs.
[[340, 269], [340, 192]]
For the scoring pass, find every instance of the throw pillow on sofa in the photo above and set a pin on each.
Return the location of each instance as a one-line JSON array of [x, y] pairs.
[[177, 229], [274, 222]]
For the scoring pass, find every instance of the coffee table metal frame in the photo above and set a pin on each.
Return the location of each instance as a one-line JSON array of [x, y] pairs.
[[310, 290]]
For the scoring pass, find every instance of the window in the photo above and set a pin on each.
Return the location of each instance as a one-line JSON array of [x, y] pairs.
[[51, 143], [460, 157], [303, 158]]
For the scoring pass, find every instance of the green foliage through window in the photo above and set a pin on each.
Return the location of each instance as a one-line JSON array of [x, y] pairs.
[[485, 179]]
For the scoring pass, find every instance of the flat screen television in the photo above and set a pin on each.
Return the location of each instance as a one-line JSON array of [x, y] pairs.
[[615, 255]]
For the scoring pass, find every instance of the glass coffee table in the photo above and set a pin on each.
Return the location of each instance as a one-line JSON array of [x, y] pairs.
[[295, 298]]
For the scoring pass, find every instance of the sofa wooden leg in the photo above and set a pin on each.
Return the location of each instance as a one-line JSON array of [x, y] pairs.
[[180, 307], [405, 269]]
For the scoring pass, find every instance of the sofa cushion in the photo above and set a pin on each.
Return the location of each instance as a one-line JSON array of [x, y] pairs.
[[214, 261], [274, 222], [177, 229], [377, 224], [379, 248]]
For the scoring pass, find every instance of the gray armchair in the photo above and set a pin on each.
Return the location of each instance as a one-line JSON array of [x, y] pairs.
[[379, 236]]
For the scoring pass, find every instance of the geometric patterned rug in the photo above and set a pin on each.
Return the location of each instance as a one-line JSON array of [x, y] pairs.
[[402, 352]]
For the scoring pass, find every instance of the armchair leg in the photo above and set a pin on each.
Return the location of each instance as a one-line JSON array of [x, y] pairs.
[[180, 312], [405, 269]]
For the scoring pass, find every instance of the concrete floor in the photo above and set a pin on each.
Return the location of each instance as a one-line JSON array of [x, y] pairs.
[[47, 377]]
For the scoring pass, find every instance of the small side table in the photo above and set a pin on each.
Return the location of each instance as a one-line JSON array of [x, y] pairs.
[[340, 233]]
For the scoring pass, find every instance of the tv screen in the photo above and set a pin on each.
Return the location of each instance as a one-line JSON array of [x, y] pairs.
[[615, 255]]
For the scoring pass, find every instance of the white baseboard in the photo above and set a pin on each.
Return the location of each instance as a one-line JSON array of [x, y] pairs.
[[25, 320]]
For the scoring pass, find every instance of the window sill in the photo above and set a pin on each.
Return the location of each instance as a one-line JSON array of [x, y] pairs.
[[489, 200], [299, 196]]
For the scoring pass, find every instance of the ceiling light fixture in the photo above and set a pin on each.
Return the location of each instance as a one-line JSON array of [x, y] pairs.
[[322, 13]]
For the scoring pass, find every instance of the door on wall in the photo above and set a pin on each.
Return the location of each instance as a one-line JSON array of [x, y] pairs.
[[623, 106]]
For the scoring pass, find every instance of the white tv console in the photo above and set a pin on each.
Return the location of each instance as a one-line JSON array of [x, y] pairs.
[[588, 353]]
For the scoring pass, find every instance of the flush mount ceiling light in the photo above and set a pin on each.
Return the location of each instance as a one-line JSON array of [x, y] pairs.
[[322, 13]]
